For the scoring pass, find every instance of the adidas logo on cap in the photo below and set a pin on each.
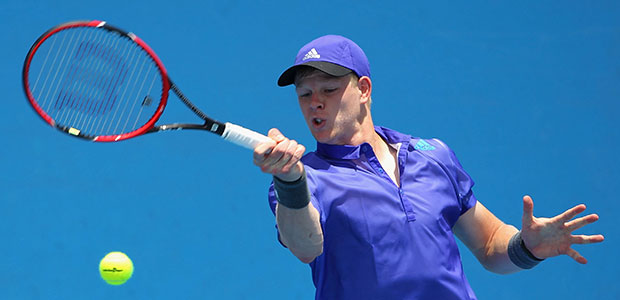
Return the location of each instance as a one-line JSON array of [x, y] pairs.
[[312, 54]]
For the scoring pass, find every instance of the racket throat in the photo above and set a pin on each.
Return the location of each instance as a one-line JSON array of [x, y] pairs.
[[215, 127], [212, 126]]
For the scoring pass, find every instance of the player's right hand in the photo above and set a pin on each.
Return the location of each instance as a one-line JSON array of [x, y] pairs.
[[280, 156]]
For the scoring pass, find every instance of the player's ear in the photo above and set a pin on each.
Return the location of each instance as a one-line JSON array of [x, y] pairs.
[[365, 86]]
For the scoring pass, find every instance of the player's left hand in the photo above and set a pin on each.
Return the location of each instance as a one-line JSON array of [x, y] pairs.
[[548, 237]]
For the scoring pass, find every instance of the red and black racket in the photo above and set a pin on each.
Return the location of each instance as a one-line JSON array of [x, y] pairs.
[[98, 82]]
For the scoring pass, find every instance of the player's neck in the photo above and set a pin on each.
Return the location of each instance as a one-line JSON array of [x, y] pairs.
[[365, 132]]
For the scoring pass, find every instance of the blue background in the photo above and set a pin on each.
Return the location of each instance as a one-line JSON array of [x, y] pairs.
[[525, 93]]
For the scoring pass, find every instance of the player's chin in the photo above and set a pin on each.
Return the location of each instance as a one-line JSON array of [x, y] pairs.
[[321, 137]]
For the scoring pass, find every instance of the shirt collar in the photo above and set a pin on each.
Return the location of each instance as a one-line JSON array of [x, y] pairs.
[[353, 152]]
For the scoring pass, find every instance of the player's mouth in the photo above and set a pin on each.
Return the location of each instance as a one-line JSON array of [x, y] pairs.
[[318, 123]]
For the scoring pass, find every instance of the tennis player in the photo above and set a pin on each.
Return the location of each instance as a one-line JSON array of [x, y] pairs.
[[375, 211]]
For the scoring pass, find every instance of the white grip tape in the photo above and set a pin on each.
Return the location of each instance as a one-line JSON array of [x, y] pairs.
[[243, 136]]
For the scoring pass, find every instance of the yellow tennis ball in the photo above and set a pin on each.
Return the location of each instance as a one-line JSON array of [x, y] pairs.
[[116, 268]]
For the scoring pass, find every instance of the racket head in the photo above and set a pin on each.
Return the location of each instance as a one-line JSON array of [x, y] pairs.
[[95, 81]]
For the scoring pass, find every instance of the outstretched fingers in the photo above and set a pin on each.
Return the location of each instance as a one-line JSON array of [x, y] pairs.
[[570, 213], [580, 222], [528, 211], [550, 237], [576, 256], [587, 239]]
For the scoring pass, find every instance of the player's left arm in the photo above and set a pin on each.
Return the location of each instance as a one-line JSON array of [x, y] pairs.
[[489, 238]]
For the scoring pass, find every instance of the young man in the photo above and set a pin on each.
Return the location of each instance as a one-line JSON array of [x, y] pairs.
[[374, 211]]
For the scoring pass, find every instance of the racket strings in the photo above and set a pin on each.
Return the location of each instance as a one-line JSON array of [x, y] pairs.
[[105, 83], [138, 87], [59, 93], [88, 106], [79, 97], [116, 78], [54, 83], [96, 81]]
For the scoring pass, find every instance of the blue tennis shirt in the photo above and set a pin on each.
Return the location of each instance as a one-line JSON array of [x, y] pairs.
[[382, 241]]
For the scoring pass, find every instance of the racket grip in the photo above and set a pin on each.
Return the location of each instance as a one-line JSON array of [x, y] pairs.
[[243, 136]]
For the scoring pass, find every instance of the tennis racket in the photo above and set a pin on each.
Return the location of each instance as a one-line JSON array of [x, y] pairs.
[[95, 81]]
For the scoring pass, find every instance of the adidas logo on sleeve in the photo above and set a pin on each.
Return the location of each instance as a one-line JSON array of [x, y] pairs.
[[422, 145]]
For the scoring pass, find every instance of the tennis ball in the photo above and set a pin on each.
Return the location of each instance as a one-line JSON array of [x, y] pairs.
[[116, 268]]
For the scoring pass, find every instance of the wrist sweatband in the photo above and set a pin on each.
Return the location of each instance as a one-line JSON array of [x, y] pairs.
[[520, 255], [292, 194]]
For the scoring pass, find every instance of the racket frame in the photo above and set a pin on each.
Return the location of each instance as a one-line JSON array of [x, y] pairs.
[[149, 126], [230, 132]]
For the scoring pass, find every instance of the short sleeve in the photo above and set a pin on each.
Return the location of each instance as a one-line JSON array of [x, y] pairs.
[[273, 200], [462, 182]]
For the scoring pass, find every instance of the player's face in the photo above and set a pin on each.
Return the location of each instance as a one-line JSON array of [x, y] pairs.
[[331, 106]]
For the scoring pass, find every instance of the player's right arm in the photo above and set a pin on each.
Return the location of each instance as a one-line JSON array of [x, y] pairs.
[[297, 219]]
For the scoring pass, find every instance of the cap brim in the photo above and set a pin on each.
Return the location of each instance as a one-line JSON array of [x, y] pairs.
[[288, 77]]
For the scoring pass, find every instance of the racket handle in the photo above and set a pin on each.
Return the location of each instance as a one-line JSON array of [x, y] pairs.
[[243, 136]]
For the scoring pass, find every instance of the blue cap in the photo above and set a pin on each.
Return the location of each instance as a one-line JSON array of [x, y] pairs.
[[332, 54]]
